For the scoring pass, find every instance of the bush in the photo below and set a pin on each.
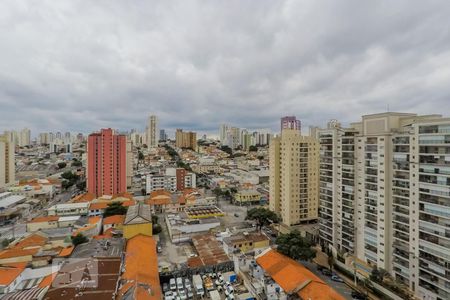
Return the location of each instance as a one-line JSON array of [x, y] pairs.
[[156, 228], [62, 165], [79, 239]]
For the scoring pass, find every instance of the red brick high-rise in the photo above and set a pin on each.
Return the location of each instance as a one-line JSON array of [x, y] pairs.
[[107, 163]]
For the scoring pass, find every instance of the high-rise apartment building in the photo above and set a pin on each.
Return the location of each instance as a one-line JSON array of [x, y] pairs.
[[294, 177], [162, 135], [44, 138], [7, 165], [25, 137], [223, 131], [290, 122], [107, 163], [186, 139], [385, 196], [152, 132]]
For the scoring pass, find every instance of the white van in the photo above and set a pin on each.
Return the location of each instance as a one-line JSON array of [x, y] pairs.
[[179, 283], [172, 284]]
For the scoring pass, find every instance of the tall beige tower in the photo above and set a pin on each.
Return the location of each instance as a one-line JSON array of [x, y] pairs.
[[152, 134], [294, 177], [7, 167]]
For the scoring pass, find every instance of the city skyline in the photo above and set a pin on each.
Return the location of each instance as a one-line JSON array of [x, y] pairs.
[[161, 58]]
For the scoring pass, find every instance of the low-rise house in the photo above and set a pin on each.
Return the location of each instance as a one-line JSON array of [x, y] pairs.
[[294, 278], [92, 228], [182, 229], [24, 250], [140, 280], [247, 197], [69, 209], [115, 222], [40, 223], [10, 276], [138, 221], [245, 242]]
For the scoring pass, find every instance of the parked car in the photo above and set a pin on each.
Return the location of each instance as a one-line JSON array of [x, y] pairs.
[[182, 294], [172, 284], [179, 283], [326, 272], [189, 292], [336, 278], [359, 296], [187, 283], [168, 295], [165, 287]]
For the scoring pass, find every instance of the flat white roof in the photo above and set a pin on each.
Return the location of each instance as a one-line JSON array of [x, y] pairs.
[[70, 205], [68, 218], [10, 200]]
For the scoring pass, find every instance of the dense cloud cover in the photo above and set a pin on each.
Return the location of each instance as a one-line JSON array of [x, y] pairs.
[[82, 65]]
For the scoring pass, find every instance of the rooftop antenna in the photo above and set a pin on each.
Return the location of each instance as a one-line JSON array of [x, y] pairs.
[[387, 107]]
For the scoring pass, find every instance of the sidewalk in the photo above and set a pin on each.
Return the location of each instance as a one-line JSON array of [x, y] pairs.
[[322, 260]]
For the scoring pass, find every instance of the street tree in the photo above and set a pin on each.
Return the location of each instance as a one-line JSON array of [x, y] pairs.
[[262, 216], [114, 208], [295, 246]]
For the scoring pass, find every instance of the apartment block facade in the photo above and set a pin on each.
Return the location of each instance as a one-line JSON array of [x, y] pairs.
[[107, 163], [174, 179], [186, 139], [7, 161], [152, 131], [385, 196], [294, 177]]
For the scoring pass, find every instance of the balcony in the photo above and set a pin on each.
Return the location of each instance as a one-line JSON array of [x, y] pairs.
[[371, 218], [401, 228], [401, 201], [434, 220], [400, 219]]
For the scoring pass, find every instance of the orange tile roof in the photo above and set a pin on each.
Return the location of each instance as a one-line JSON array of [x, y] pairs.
[[48, 280], [10, 253], [98, 205], [123, 195], [106, 235], [292, 276], [87, 197], [9, 272], [94, 220], [141, 269], [45, 219], [116, 219], [34, 240], [104, 204], [66, 251]]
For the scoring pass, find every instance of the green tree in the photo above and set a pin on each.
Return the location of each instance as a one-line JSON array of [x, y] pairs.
[[114, 208], [156, 228], [5, 243], [62, 165], [295, 246], [140, 156], [155, 219], [262, 216], [79, 239], [252, 148], [81, 185], [226, 149], [65, 184], [217, 191], [76, 163]]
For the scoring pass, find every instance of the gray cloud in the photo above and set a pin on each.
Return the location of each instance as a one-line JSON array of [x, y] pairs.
[[82, 65]]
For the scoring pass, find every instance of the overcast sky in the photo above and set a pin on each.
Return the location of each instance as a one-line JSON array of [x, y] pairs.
[[82, 65]]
